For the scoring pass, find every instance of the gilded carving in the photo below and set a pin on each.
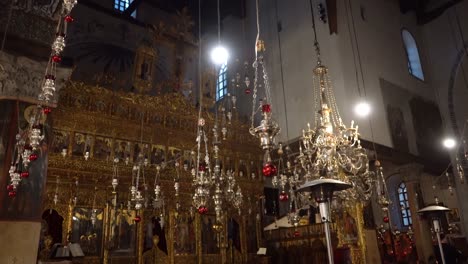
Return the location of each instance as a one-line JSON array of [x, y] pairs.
[[162, 128]]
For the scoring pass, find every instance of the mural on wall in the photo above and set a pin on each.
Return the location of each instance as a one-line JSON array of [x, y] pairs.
[[428, 130], [31, 19], [47, 8], [112, 53], [398, 129], [21, 77]]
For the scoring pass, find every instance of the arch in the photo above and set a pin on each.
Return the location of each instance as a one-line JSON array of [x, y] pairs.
[[412, 55], [53, 225], [221, 82]]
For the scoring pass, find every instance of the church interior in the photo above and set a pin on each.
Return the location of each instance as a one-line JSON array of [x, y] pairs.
[[233, 131]]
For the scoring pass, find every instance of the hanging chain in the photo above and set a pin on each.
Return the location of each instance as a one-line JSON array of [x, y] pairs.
[[254, 95]]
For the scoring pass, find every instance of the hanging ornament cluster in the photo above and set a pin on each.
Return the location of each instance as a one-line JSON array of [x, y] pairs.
[[26, 149], [268, 128], [202, 180]]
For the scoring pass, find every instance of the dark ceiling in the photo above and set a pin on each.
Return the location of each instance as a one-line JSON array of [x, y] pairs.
[[208, 9], [426, 10]]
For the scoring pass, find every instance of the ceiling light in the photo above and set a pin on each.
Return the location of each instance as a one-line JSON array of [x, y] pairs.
[[362, 109], [219, 55], [449, 143]]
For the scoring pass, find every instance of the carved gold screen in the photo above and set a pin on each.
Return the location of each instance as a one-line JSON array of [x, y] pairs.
[[109, 124]]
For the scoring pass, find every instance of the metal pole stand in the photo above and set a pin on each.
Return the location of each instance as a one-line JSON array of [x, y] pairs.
[[325, 214]]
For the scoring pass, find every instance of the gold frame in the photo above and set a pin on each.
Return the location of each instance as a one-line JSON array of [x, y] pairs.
[[358, 249]]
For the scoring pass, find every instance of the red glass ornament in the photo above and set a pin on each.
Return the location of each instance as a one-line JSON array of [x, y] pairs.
[[10, 187], [56, 58], [274, 170], [25, 174], [266, 170], [202, 168], [284, 197], [386, 219], [296, 234], [33, 157], [202, 210], [137, 219], [266, 108], [12, 194], [50, 77], [69, 19], [47, 110], [247, 91], [269, 170]]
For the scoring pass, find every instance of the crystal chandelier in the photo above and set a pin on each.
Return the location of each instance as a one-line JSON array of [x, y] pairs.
[[207, 179], [28, 140], [212, 183], [332, 150]]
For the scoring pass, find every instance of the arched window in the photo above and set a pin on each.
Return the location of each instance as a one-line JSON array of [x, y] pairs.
[[221, 84], [404, 205], [412, 53], [121, 5]]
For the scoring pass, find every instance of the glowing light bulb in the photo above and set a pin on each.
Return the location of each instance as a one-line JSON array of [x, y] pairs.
[[362, 109], [219, 55], [449, 143]]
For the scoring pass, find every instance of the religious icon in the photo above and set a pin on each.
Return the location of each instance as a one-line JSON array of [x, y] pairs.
[[145, 68], [184, 235], [79, 144], [453, 215], [397, 127], [209, 237], [143, 73], [350, 231], [174, 153], [123, 232], [158, 154], [86, 232], [102, 148], [61, 140]]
